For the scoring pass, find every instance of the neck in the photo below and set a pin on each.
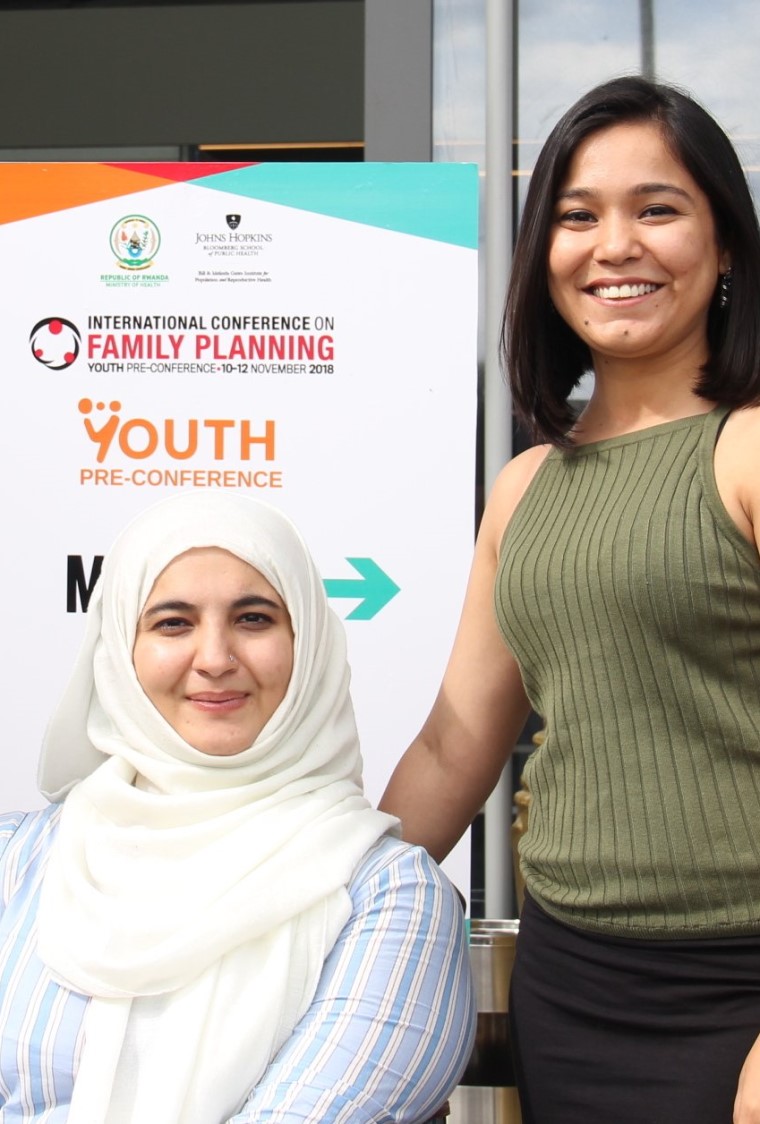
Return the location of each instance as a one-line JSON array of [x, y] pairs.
[[630, 395]]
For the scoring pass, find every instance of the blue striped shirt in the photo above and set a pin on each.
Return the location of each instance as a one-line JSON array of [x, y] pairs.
[[385, 1040]]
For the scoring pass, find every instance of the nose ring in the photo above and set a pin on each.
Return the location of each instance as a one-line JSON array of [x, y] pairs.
[[232, 658]]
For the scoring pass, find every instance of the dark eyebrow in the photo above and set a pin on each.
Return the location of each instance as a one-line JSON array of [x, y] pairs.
[[639, 189], [250, 601], [254, 600], [167, 606], [661, 188]]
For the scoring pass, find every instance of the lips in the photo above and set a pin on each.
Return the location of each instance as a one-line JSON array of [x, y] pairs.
[[624, 291], [218, 701], [217, 696]]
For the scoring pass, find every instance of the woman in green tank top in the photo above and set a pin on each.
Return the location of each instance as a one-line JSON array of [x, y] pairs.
[[615, 589]]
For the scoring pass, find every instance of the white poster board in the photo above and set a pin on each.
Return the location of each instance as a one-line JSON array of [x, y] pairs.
[[306, 333]]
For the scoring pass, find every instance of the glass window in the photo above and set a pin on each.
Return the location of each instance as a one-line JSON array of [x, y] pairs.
[[712, 50], [563, 48]]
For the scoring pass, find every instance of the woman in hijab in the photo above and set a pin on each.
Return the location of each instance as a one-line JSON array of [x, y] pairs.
[[209, 923]]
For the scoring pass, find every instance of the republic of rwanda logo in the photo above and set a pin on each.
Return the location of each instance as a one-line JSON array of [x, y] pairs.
[[55, 342], [135, 241]]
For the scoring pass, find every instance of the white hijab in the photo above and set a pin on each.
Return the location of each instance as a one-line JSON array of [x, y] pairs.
[[196, 897]]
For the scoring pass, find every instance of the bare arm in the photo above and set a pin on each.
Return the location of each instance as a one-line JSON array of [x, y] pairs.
[[450, 768], [737, 471], [737, 474], [747, 1103]]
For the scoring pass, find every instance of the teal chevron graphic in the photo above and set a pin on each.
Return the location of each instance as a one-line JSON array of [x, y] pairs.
[[438, 201], [374, 587]]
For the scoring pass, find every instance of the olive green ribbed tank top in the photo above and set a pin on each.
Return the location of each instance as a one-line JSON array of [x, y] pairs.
[[632, 604]]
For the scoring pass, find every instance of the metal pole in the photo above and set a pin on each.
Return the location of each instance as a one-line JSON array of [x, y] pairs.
[[497, 432], [646, 20], [398, 79]]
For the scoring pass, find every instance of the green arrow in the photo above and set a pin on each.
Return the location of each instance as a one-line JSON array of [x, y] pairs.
[[374, 587]]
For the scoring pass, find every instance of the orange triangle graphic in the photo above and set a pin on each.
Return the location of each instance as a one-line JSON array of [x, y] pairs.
[[27, 190]]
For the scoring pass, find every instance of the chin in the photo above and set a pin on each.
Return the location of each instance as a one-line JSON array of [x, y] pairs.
[[214, 746], [217, 750]]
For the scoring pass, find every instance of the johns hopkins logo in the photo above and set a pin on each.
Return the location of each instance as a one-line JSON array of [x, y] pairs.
[[233, 221], [135, 241], [55, 342]]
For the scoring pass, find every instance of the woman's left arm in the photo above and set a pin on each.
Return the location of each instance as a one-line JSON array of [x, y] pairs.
[[751, 461], [747, 1103], [745, 463], [391, 1026], [737, 471]]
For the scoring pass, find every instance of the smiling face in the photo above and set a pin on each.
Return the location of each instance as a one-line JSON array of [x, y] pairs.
[[206, 606], [633, 256]]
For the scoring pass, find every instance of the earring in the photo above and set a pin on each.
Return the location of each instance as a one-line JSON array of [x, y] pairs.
[[724, 289]]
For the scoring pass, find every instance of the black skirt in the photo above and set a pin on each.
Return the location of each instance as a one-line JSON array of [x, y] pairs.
[[620, 1031]]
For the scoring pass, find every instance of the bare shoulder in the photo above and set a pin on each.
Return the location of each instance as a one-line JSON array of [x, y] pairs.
[[744, 426], [737, 470], [509, 488]]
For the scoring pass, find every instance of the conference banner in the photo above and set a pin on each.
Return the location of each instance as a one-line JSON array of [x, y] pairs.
[[305, 333]]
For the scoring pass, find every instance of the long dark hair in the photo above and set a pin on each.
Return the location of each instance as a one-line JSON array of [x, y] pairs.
[[543, 357]]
